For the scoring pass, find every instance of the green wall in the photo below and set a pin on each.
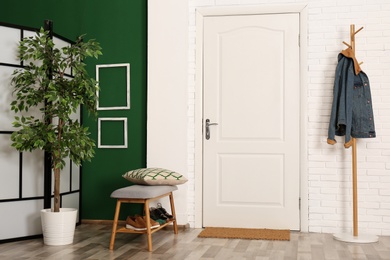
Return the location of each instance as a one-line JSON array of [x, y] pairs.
[[120, 27]]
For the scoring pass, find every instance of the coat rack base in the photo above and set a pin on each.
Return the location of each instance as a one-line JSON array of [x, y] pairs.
[[364, 239]]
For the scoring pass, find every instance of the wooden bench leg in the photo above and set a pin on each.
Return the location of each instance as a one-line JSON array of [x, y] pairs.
[[148, 227], [173, 213], [115, 224]]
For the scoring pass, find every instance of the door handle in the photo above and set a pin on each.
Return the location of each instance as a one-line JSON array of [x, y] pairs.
[[208, 124]]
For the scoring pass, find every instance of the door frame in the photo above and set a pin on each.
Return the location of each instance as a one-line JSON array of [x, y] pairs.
[[203, 12]]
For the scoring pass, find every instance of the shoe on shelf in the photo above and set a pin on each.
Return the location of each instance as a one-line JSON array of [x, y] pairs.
[[135, 223], [161, 221], [153, 224], [157, 214], [163, 211]]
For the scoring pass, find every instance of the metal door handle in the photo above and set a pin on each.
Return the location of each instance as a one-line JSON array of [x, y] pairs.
[[208, 124]]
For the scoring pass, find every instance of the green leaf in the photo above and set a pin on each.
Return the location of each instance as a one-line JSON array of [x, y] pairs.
[[32, 88]]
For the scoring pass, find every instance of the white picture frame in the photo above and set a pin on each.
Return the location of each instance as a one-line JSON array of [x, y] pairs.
[[127, 66], [124, 120]]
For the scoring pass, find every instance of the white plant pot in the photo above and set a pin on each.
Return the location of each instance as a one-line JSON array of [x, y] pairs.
[[58, 227]]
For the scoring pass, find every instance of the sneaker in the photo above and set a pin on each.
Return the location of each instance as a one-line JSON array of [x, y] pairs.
[[163, 211], [153, 224], [161, 221], [157, 214], [135, 223]]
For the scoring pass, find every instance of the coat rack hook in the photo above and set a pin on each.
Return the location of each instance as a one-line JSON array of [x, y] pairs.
[[347, 44], [361, 28]]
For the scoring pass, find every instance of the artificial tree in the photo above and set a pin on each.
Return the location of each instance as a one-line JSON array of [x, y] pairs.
[[44, 83]]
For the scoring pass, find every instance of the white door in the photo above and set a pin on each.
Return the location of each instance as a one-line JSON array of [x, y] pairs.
[[251, 90]]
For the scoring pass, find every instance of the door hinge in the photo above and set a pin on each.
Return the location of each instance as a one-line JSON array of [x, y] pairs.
[[299, 203]]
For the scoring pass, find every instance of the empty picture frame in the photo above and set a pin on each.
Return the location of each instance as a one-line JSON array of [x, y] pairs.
[[113, 78], [112, 132]]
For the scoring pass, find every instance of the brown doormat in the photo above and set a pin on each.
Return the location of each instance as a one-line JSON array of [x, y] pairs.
[[245, 233]]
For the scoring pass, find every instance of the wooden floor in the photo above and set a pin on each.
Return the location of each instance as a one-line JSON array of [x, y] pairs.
[[92, 240]]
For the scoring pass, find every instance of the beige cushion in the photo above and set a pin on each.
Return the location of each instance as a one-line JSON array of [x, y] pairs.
[[154, 176]]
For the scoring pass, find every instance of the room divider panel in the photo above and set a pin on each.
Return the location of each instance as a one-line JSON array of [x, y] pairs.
[[25, 181]]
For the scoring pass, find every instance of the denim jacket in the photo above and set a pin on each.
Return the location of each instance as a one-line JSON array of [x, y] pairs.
[[352, 114]]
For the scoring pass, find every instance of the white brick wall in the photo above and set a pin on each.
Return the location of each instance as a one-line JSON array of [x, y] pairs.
[[329, 167]]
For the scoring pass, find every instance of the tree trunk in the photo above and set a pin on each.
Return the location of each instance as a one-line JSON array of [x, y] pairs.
[[57, 190], [57, 170]]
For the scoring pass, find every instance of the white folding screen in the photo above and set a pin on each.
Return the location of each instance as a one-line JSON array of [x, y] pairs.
[[22, 174]]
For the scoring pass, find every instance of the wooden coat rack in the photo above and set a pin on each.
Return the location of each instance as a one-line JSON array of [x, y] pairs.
[[355, 237]]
